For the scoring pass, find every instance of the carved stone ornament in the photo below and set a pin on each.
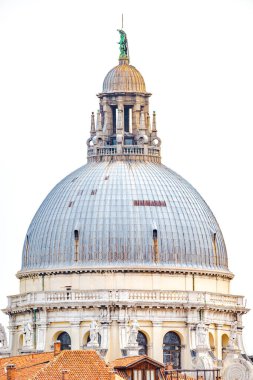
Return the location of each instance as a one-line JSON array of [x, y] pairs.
[[93, 335], [232, 343], [204, 361], [27, 334], [132, 340], [236, 367], [132, 348], [201, 335], [3, 339]]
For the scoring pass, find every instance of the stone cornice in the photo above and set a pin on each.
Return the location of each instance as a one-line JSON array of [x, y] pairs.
[[102, 270], [117, 94]]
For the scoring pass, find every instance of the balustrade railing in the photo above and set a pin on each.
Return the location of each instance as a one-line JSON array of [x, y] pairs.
[[196, 374], [111, 150], [142, 297], [105, 151], [133, 149], [154, 151]]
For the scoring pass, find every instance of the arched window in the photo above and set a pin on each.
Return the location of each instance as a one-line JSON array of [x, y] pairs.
[[211, 342], [224, 342], [65, 340], [172, 349], [21, 341], [143, 344]]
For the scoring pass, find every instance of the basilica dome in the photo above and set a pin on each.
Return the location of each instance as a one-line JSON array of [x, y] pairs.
[[124, 78], [124, 210], [124, 256], [113, 209]]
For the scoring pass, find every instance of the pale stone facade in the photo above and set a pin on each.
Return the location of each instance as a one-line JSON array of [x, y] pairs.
[[160, 302]]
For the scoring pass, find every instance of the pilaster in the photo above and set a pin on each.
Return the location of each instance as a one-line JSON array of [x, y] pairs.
[[75, 335], [114, 347], [41, 336], [218, 341], [157, 340]]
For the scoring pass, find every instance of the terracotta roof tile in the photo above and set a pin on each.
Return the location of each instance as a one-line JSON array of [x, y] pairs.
[[122, 374], [123, 362], [130, 360], [26, 365], [80, 364], [85, 365]]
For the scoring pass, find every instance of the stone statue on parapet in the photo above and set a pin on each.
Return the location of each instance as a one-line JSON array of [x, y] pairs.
[[203, 360], [123, 44], [133, 333], [201, 335], [93, 335], [3, 339], [27, 334], [133, 346]]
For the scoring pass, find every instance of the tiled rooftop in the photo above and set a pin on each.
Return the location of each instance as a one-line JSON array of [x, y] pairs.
[[79, 365], [131, 360], [85, 365], [127, 360], [26, 365]]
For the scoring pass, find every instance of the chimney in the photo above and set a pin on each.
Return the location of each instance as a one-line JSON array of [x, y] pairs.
[[65, 374], [11, 371], [57, 347]]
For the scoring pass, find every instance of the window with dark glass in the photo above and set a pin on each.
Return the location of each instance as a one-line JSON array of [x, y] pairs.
[[127, 121], [114, 118], [143, 344], [65, 340], [172, 349]]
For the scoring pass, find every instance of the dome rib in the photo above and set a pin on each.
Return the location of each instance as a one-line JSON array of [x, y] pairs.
[[124, 78]]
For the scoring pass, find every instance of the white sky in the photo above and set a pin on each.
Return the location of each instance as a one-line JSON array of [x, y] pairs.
[[197, 60]]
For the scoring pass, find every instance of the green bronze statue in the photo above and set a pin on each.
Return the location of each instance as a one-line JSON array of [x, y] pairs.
[[123, 45]]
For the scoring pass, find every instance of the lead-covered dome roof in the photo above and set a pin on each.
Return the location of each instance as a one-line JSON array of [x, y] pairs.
[[115, 207], [124, 78]]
